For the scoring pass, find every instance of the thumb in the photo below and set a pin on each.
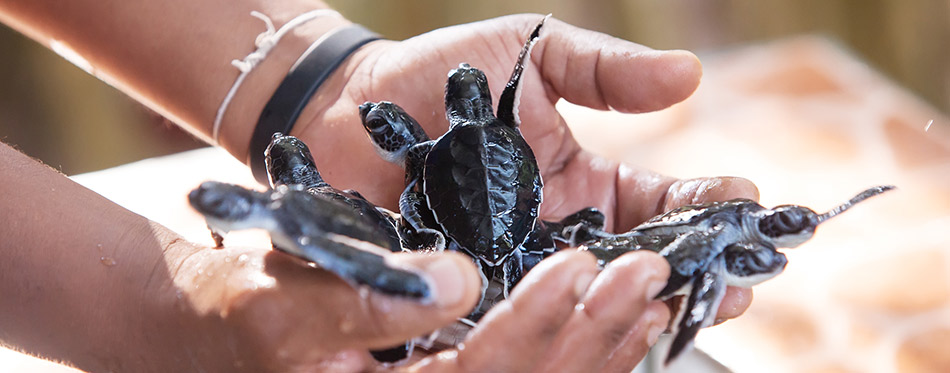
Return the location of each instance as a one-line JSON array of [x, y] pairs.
[[292, 314], [382, 321], [361, 318], [600, 71]]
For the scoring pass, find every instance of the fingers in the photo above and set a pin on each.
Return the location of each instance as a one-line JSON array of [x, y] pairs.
[[709, 189], [618, 317], [639, 339], [456, 286], [643, 194], [301, 314], [599, 71], [734, 303], [516, 334], [563, 318]]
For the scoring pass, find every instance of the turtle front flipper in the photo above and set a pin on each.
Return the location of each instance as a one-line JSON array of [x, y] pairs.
[[355, 261], [510, 97], [689, 255], [416, 219], [698, 309], [574, 229], [584, 225]]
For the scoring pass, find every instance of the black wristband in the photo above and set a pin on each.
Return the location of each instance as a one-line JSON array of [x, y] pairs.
[[295, 91]]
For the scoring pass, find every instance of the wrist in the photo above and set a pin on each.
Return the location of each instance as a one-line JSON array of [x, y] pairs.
[[321, 107], [240, 118]]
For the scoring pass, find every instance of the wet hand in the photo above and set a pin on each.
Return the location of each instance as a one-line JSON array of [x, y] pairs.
[[578, 65]]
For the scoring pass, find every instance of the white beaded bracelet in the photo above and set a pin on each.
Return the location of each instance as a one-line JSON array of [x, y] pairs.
[[264, 42]]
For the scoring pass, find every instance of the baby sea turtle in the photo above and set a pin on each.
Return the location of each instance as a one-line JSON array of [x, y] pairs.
[[289, 162], [713, 245], [316, 228], [478, 184], [338, 230]]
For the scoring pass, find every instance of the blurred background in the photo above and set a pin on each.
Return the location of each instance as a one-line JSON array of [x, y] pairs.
[[59, 114], [810, 120]]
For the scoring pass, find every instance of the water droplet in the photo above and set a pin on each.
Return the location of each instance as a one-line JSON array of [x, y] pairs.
[[227, 259], [201, 270], [107, 261], [99, 247], [242, 258], [448, 355]]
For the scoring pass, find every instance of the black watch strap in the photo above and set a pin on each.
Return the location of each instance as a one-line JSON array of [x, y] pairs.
[[300, 84]]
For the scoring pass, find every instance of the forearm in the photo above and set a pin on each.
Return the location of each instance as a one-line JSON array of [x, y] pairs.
[[81, 279], [175, 56]]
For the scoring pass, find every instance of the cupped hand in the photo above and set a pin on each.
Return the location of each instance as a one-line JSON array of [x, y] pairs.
[[256, 310], [565, 315], [581, 66]]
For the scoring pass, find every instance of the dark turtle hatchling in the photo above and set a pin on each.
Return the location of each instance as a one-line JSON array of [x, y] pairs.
[[713, 245], [315, 227], [478, 184], [289, 162], [308, 218]]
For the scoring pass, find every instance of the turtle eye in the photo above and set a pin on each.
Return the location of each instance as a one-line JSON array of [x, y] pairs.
[[376, 124]]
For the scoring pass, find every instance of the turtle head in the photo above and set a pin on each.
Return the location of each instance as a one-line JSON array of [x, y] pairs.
[[224, 205], [467, 98], [288, 161], [392, 130], [790, 225]]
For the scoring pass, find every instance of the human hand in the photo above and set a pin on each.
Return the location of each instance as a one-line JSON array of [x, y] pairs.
[[255, 310], [580, 66], [240, 309], [568, 316]]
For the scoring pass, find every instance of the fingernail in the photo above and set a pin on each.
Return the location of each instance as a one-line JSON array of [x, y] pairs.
[[654, 287], [583, 282], [655, 324], [448, 281], [653, 333]]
